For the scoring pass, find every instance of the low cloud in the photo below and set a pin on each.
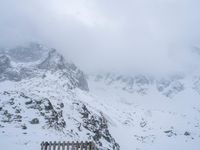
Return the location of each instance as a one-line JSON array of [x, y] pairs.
[[135, 36]]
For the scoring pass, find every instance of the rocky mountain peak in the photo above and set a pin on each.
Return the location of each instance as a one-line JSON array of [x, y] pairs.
[[53, 61], [37, 61]]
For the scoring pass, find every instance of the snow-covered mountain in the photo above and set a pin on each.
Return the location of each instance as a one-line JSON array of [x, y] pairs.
[[40, 99], [45, 97]]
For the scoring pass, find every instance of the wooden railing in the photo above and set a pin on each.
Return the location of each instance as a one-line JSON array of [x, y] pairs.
[[68, 146]]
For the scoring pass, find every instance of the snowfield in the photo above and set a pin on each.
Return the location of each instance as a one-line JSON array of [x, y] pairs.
[[151, 121]]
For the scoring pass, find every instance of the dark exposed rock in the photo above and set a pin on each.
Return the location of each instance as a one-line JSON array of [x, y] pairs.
[[61, 105], [17, 118], [24, 127], [170, 133], [7, 116], [39, 102], [6, 93], [23, 95], [17, 111], [56, 121], [85, 112], [48, 106], [187, 133], [143, 124], [35, 121], [11, 101], [1, 126], [29, 102]]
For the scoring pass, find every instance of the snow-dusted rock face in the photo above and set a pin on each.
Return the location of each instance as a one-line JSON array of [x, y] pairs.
[[138, 84], [41, 99]]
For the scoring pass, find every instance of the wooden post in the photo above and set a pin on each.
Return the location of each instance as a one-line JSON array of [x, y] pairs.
[[77, 145], [59, 144], [46, 145], [89, 146], [63, 146], [93, 146], [86, 145], [50, 144], [54, 145], [81, 145], [73, 145], [67, 145], [42, 145]]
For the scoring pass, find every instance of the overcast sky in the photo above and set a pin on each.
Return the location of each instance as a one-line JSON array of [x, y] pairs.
[[153, 36]]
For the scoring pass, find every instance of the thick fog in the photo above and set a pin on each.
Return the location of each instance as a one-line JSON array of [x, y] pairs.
[[135, 36]]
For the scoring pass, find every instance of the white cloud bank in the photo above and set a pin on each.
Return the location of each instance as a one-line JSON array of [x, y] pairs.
[[152, 36]]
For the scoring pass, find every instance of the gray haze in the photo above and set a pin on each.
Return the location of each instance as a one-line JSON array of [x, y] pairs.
[[151, 36]]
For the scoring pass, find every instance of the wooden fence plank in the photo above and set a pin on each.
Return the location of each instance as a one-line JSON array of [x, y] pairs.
[[63, 145], [77, 145], [58, 146], [50, 145], [81, 145], [46, 145], [68, 145], [54, 145], [86, 145], [73, 145], [90, 146], [42, 145], [93, 146]]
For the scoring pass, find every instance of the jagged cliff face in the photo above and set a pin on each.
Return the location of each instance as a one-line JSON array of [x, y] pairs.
[[40, 99]]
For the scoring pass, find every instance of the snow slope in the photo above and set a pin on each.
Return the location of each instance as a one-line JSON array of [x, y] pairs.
[[151, 120]]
